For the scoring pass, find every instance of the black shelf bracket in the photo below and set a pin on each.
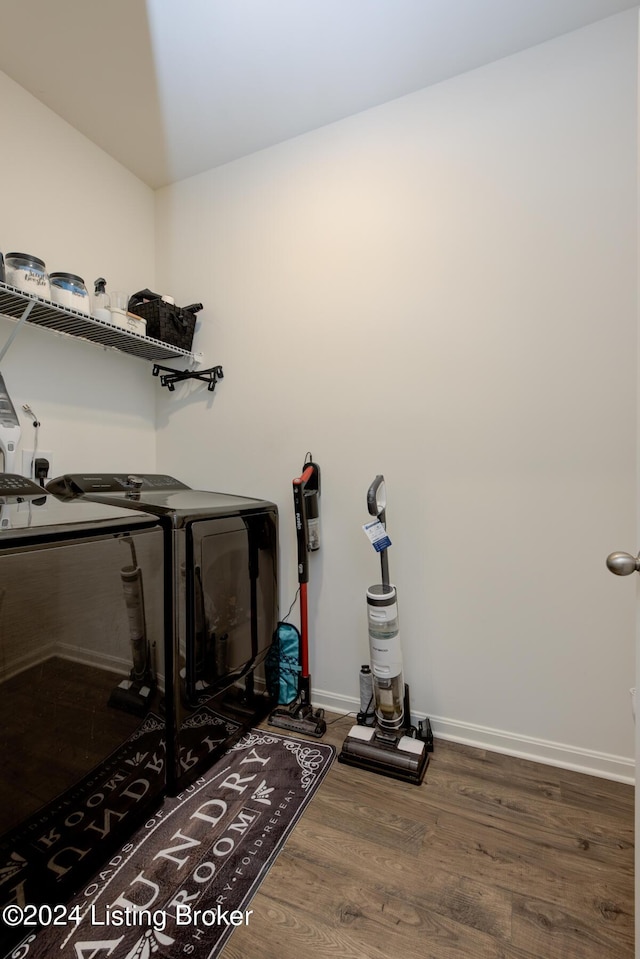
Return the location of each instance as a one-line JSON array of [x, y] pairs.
[[170, 377]]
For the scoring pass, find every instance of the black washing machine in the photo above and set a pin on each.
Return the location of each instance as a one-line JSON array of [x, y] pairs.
[[222, 604], [83, 710]]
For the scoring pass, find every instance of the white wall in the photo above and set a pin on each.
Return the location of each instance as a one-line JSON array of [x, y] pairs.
[[66, 201], [443, 290]]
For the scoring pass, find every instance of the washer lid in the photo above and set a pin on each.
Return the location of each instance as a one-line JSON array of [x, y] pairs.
[[73, 484], [158, 494], [40, 514]]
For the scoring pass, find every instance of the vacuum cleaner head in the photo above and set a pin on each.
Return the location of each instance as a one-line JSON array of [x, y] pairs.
[[399, 757], [299, 717], [132, 697]]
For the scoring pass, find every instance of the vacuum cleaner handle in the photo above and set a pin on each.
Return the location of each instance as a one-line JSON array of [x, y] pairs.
[[377, 505], [377, 498], [308, 482]]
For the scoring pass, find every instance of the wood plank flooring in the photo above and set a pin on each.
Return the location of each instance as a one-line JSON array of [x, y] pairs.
[[491, 858]]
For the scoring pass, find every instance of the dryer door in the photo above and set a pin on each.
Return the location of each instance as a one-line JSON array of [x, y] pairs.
[[231, 599]]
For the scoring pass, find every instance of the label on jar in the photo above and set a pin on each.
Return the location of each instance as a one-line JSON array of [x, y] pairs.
[[27, 279], [70, 297]]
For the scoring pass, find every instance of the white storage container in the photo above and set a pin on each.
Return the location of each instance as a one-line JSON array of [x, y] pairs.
[[28, 274], [69, 290]]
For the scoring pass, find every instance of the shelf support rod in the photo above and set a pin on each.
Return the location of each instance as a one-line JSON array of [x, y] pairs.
[[16, 329]]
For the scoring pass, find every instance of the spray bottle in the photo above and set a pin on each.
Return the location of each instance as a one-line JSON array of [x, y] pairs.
[[101, 303]]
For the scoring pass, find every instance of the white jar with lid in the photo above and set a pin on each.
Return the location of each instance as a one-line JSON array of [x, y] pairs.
[[27, 273], [69, 290]]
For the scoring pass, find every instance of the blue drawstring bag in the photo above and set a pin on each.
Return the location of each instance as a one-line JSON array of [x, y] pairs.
[[282, 665]]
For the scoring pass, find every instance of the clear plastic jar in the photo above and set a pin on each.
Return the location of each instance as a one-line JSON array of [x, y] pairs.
[[69, 290], [27, 273]]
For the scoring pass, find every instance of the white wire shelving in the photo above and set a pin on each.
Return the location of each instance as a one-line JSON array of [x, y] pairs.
[[24, 308]]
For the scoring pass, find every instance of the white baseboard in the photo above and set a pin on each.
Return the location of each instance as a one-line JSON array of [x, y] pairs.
[[18, 665], [87, 657], [65, 651], [107, 663], [592, 763]]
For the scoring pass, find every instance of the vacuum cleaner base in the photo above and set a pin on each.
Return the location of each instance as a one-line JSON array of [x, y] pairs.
[[132, 696], [299, 717], [401, 758]]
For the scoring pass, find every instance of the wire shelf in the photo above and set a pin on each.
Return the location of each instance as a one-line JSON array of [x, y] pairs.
[[14, 303]]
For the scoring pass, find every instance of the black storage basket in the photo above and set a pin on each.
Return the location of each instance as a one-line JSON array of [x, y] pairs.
[[172, 324]]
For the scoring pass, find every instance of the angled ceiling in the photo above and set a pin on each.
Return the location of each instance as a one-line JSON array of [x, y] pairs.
[[171, 88]]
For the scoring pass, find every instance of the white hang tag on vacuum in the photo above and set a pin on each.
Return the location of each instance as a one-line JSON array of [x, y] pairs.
[[378, 535]]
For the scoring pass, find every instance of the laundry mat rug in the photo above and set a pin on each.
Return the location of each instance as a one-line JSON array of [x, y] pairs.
[[185, 880]]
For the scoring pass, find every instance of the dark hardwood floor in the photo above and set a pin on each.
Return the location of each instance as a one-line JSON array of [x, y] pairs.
[[491, 858]]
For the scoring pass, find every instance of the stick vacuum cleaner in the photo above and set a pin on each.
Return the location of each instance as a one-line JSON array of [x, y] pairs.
[[389, 747], [133, 695], [299, 716]]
